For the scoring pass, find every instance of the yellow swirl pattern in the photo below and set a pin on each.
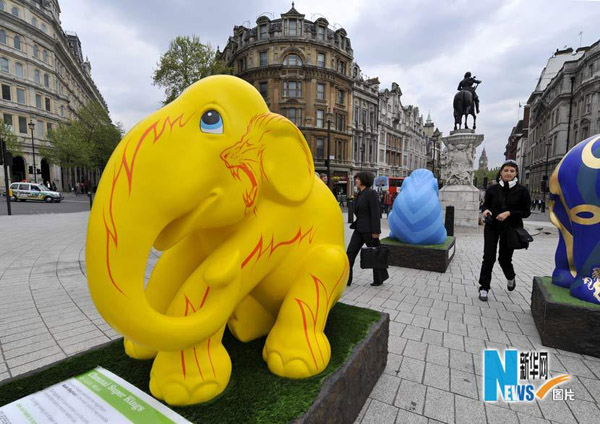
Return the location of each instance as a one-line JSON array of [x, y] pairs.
[[587, 156]]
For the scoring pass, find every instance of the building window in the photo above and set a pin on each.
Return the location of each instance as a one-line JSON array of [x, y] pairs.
[[1, 4], [45, 56], [293, 27], [295, 115], [19, 70], [321, 60], [340, 122], [21, 96], [34, 22], [264, 58], [43, 27], [48, 128], [2, 36], [263, 88], [48, 104], [262, 32], [320, 91], [342, 67], [320, 118], [15, 11], [17, 42], [242, 64], [62, 110], [292, 60], [292, 89], [6, 92], [588, 103], [38, 101], [36, 51], [4, 64], [22, 125], [340, 97], [47, 80], [8, 120], [320, 148], [321, 33], [37, 76]]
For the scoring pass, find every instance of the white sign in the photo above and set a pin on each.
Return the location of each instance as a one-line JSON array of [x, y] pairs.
[[98, 396], [451, 251], [331, 157]]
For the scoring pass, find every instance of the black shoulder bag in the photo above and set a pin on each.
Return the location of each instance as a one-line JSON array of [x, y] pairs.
[[374, 257], [516, 238]]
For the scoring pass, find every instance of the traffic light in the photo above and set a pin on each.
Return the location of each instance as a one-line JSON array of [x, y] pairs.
[[30, 169]]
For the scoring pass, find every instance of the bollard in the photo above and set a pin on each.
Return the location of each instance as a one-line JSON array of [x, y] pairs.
[[350, 211], [90, 196], [449, 224]]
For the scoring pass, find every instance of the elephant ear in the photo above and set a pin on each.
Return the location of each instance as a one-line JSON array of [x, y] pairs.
[[286, 162]]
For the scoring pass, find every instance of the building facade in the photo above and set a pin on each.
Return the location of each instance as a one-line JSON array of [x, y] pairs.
[[365, 123], [44, 80], [303, 70], [564, 110]]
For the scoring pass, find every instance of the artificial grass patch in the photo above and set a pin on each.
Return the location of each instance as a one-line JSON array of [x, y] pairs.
[[563, 295], [442, 246], [254, 395]]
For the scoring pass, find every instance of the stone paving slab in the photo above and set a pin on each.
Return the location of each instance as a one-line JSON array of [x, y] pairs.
[[438, 331]]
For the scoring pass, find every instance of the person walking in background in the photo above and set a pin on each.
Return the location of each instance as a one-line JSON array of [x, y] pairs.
[[367, 225], [506, 204]]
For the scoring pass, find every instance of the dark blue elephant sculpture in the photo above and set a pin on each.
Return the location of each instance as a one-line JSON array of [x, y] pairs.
[[575, 210], [416, 216]]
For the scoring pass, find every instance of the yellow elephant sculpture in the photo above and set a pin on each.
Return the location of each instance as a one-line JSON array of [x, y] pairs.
[[251, 239]]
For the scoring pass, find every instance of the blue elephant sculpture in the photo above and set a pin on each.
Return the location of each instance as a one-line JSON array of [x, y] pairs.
[[416, 216], [575, 210]]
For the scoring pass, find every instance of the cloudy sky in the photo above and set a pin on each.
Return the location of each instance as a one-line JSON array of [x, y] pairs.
[[424, 45]]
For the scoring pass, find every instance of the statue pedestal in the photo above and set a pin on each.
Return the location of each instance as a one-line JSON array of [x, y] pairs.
[[465, 199], [458, 190]]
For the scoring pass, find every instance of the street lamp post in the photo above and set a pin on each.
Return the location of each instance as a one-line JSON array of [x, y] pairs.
[[548, 144], [327, 159], [31, 126]]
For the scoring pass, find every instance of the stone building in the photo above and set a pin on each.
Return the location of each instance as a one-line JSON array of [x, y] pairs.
[[403, 136], [44, 79], [303, 69], [483, 161], [365, 123], [391, 137], [564, 110]]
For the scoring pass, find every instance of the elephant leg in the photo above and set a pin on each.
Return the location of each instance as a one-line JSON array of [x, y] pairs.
[[250, 320], [193, 375], [297, 346], [171, 270]]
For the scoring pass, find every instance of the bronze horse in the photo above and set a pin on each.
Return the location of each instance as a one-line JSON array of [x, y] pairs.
[[463, 106]]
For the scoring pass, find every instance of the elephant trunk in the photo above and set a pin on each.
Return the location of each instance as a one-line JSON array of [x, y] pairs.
[[120, 236]]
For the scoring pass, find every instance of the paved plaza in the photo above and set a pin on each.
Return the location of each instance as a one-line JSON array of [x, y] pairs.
[[438, 331]]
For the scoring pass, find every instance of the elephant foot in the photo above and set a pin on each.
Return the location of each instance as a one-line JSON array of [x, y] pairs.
[[250, 320], [192, 375], [136, 351], [297, 354]]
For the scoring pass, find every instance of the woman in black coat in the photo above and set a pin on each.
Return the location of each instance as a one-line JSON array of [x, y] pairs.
[[505, 205], [366, 226]]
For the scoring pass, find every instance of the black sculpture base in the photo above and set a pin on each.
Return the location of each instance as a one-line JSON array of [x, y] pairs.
[[344, 393], [429, 258], [565, 322]]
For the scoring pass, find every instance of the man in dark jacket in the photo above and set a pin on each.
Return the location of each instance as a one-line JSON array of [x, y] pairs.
[[366, 226]]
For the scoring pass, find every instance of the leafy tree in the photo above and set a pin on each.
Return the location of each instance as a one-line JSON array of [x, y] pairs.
[[187, 61], [86, 141], [490, 174], [11, 140]]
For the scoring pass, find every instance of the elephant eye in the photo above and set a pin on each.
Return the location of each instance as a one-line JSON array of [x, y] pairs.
[[211, 122]]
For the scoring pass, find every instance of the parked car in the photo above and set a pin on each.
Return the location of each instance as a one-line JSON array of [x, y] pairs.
[[30, 191]]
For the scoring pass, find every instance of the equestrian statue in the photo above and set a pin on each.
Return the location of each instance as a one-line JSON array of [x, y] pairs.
[[464, 101]]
